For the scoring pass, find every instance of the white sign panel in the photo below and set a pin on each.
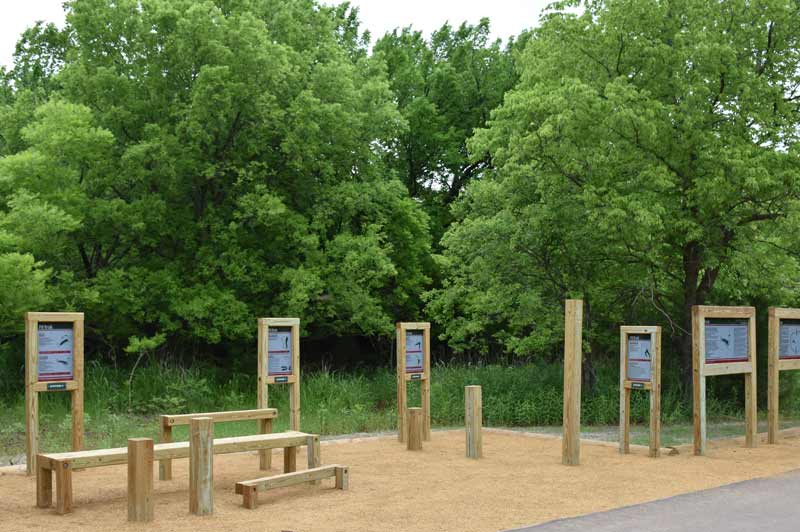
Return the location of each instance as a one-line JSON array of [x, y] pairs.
[[414, 352], [790, 339], [639, 357], [726, 340], [279, 351], [56, 352]]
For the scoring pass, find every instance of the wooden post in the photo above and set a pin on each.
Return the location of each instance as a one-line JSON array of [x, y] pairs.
[[291, 378], [773, 377], [289, 459], [342, 478], [644, 376], [415, 420], [201, 466], [473, 414], [140, 479], [709, 364], [165, 466], [421, 374], [63, 473], [313, 452], [573, 349], [44, 487]]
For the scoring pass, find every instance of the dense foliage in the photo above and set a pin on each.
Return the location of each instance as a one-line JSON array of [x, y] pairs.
[[177, 168]]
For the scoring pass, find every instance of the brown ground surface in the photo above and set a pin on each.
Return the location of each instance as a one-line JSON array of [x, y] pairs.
[[519, 482]]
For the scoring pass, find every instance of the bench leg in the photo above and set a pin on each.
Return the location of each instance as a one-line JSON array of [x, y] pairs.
[[342, 478], [289, 459], [265, 455], [165, 466], [63, 472], [250, 497], [44, 487], [312, 449]]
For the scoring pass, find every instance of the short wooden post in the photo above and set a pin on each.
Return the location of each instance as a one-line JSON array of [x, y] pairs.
[[289, 459], [265, 455], [63, 473], [473, 414], [250, 497], [140, 479], [573, 338], [201, 466], [44, 487], [312, 449], [415, 421], [165, 466], [342, 478]]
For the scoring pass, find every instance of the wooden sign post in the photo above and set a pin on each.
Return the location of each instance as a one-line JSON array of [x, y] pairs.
[[784, 354], [639, 369], [723, 343], [573, 354], [278, 363], [53, 363], [413, 364]]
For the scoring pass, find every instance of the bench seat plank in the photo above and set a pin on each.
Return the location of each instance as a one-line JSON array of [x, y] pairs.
[[119, 455], [218, 417]]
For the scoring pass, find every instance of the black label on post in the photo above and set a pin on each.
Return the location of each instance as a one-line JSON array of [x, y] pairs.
[[637, 385], [281, 379], [416, 376], [56, 386]]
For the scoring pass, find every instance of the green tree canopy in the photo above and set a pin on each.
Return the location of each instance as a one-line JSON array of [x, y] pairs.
[[648, 161]]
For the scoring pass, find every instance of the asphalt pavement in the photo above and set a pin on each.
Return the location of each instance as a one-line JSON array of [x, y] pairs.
[[767, 504]]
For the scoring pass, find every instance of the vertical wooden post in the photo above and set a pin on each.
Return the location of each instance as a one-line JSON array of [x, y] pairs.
[[750, 386], [425, 385], [44, 487], [312, 450], [773, 377], [415, 421], [655, 397], [473, 419], [289, 459], [402, 404], [140, 479], [294, 388], [698, 382], [165, 436], [624, 396], [573, 348], [201, 466], [77, 393], [63, 473], [265, 455], [342, 478], [31, 396]]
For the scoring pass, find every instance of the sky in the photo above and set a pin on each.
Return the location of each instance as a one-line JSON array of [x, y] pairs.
[[508, 17]]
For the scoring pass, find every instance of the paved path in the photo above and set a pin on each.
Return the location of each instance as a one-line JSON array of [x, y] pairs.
[[768, 504]]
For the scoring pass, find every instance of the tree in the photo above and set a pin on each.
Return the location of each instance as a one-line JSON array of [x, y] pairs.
[[221, 160], [445, 88], [647, 161]]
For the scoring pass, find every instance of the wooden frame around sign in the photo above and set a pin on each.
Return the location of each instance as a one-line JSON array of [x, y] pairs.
[[776, 365], [653, 386], [424, 377], [702, 369], [265, 380], [33, 387]]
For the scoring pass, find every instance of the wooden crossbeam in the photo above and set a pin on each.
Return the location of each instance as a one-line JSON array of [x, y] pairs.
[[249, 488], [217, 417]]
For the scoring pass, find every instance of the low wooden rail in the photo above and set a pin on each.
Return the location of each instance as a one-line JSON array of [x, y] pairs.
[[62, 464], [249, 488], [264, 416]]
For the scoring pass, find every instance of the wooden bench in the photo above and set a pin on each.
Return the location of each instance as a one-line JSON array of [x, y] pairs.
[[249, 488], [63, 463], [264, 416]]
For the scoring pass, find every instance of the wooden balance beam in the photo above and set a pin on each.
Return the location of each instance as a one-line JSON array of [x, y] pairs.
[[264, 416], [63, 463], [249, 488]]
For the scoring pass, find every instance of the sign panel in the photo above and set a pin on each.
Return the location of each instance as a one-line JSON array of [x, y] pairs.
[[414, 352], [726, 340], [639, 357], [56, 352], [789, 344], [279, 351]]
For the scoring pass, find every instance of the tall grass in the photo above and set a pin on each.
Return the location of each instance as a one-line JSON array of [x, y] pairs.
[[341, 403]]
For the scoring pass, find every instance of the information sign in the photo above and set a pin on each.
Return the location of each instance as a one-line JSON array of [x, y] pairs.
[[639, 357], [414, 352], [56, 351], [726, 340], [279, 351]]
